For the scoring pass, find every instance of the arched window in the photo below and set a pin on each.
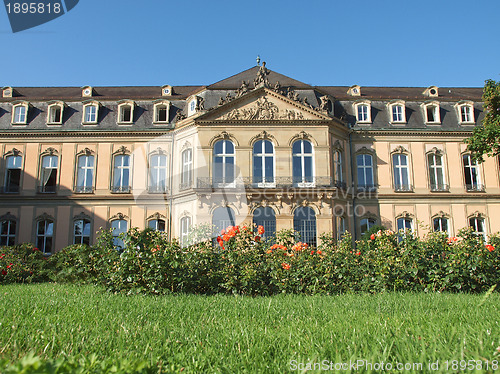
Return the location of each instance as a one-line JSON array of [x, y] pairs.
[[187, 169], [365, 171], [265, 217], [263, 163], [119, 226], [20, 113], [221, 218], [471, 174], [161, 111], [366, 224], [401, 172], [13, 174], [90, 113], [85, 174], [436, 172], [158, 173], [304, 222], [466, 112], [405, 223], [223, 163], [45, 235], [185, 226], [302, 158], [55, 113], [121, 174], [7, 232], [337, 167], [478, 226], [81, 231], [441, 224], [126, 111], [157, 225], [48, 174]]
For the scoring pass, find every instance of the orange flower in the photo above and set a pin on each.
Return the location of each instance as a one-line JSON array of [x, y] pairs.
[[490, 248], [372, 236], [312, 252], [358, 253], [319, 252], [222, 232], [285, 266], [226, 237], [269, 251], [261, 230], [299, 246]]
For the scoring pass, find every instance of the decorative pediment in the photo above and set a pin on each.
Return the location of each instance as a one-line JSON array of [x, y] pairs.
[[436, 151], [441, 214], [86, 152], [156, 216], [13, 152], [44, 217], [263, 105], [82, 215], [405, 214], [338, 145], [122, 150], [186, 145], [224, 135], [8, 217], [476, 214], [400, 149], [264, 135], [302, 136], [158, 151], [50, 151], [119, 216]]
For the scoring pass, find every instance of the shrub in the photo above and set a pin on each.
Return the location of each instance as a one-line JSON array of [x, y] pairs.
[[23, 263]]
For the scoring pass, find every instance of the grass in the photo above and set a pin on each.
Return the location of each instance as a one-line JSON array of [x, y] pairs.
[[233, 334]]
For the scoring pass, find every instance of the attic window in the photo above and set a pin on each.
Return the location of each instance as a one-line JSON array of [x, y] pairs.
[[20, 113], [90, 113], [363, 112], [431, 112], [466, 112], [161, 112], [397, 112], [55, 114], [126, 111]]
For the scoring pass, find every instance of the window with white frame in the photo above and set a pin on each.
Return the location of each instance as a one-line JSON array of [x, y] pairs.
[[13, 172], [263, 163], [401, 172], [55, 114], [337, 167], [81, 231], [436, 172], [126, 113], [48, 174], [7, 232], [223, 163], [363, 112], [341, 227], [90, 112], [364, 163], [185, 226], [85, 174], [45, 235], [397, 111], [471, 174], [121, 174], [478, 226], [466, 113], [157, 224], [302, 162], [187, 168], [161, 112], [20, 114], [119, 226], [404, 224], [366, 224], [158, 173], [441, 224], [431, 111]]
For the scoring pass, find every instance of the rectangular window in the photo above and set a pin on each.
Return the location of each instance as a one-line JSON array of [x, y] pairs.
[[48, 175], [158, 173], [125, 113], [13, 174], [397, 113], [90, 114], [20, 114], [401, 172], [55, 114], [187, 169], [7, 232], [81, 233], [471, 174], [363, 113], [466, 113], [365, 171], [121, 174], [44, 236], [85, 174], [436, 173], [185, 227], [119, 227]]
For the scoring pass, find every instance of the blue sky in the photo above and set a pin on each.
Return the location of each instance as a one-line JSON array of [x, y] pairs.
[[156, 42]]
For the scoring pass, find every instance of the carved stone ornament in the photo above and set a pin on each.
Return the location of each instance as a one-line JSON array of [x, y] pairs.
[[305, 202], [476, 214], [200, 103], [441, 214], [324, 102], [337, 145], [8, 217], [436, 151], [185, 214], [262, 110], [50, 151], [156, 216], [224, 203], [159, 151], [263, 135], [404, 214], [400, 149], [122, 150], [329, 195], [179, 116], [261, 78], [14, 152], [82, 215], [242, 90], [44, 217], [249, 196], [86, 152], [238, 199], [119, 216], [364, 149], [289, 195], [186, 145], [279, 197]]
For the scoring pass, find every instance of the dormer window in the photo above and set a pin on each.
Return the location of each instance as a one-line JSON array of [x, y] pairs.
[[20, 113], [55, 113], [90, 112], [363, 112], [431, 112], [161, 112], [126, 111], [192, 106], [465, 112], [397, 112]]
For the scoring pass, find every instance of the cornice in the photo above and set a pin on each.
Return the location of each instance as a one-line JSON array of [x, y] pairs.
[[82, 134], [405, 132]]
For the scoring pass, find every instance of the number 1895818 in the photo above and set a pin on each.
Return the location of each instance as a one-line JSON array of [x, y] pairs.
[[33, 8]]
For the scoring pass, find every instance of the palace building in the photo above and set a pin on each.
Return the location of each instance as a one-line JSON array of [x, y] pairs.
[[256, 147]]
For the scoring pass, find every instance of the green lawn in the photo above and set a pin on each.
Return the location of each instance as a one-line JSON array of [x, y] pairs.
[[233, 334]]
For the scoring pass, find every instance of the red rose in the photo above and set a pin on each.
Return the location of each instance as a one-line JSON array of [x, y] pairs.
[[372, 236], [257, 238], [490, 248], [4, 272]]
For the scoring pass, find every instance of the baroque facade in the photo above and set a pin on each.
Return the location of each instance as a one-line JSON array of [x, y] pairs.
[[258, 146]]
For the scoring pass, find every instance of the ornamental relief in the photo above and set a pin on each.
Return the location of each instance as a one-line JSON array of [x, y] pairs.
[[263, 109]]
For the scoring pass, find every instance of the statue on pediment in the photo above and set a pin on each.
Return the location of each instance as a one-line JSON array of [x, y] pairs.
[[261, 77], [242, 90], [324, 103]]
